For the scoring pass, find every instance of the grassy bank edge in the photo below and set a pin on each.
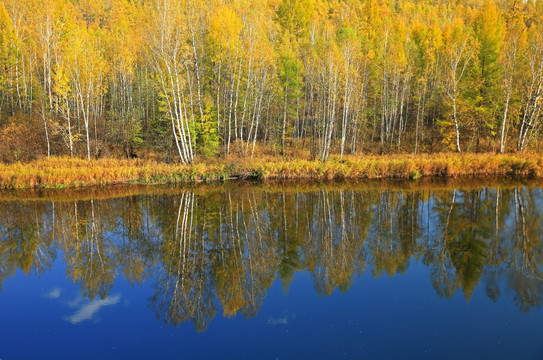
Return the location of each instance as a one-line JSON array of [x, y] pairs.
[[74, 173]]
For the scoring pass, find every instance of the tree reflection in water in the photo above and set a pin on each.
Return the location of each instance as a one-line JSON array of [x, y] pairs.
[[227, 246]]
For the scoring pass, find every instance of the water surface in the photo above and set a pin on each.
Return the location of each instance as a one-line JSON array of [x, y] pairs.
[[351, 270]]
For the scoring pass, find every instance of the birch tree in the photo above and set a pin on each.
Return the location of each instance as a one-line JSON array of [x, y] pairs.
[[168, 49], [458, 53], [532, 106]]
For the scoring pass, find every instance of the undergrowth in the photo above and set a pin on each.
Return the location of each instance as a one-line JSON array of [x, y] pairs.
[[62, 172]]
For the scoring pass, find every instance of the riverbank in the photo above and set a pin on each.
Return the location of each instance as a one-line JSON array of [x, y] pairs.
[[72, 172]]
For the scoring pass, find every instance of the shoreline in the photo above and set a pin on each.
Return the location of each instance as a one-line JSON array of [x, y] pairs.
[[58, 173], [432, 184]]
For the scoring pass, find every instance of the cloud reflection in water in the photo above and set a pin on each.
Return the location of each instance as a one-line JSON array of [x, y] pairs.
[[53, 294], [87, 310]]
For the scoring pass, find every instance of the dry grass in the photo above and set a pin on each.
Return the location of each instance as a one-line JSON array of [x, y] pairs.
[[404, 166], [73, 172]]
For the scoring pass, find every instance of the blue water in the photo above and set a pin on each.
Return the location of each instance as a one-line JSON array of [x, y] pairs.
[[399, 317], [377, 317]]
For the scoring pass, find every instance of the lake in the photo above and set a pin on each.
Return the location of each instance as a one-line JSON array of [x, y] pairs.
[[373, 270]]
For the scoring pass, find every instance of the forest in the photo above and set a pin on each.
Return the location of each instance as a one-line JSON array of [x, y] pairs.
[[181, 80]]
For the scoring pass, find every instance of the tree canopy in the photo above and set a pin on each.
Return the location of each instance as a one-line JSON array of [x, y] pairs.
[[181, 79]]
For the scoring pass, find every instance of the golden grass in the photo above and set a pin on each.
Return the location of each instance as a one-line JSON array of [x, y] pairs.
[[74, 172], [404, 166]]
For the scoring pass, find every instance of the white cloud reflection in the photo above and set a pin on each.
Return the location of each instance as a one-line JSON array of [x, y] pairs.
[[54, 293], [278, 321], [87, 310]]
